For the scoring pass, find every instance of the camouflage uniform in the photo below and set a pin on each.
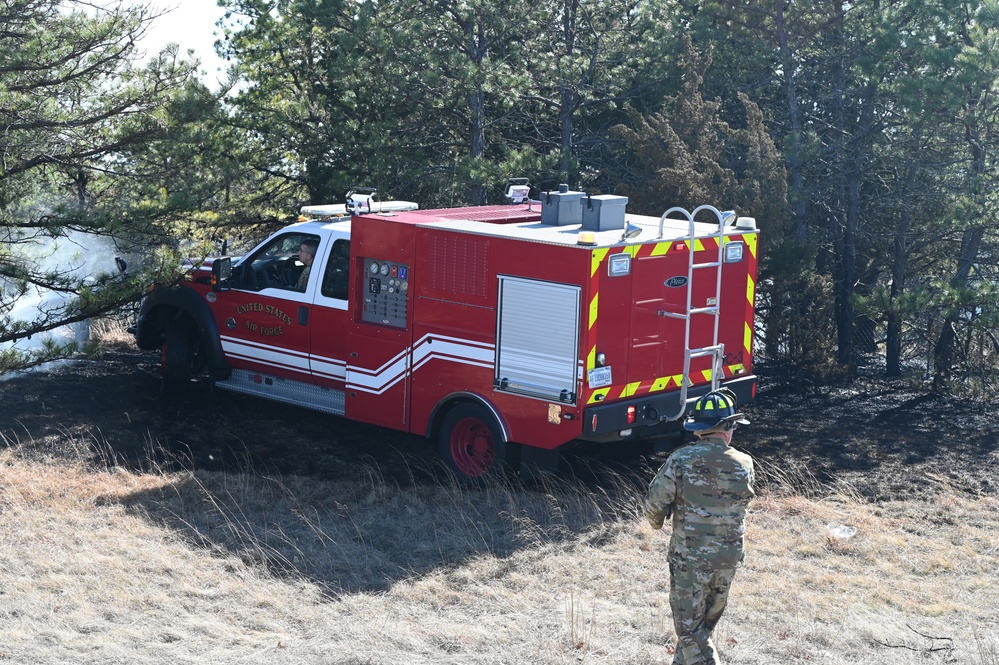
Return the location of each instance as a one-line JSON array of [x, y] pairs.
[[303, 279], [706, 485]]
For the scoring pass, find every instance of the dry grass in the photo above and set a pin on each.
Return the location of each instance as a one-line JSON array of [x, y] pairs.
[[110, 333], [105, 566]]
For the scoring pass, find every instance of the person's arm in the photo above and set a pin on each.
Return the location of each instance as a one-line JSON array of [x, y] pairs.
[[662, 494]]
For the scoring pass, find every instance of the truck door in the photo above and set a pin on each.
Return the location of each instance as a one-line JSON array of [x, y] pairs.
[[330, 315], [264, 319], [660, 287]]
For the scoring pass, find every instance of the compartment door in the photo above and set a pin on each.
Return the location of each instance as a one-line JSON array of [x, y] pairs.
[[537, 340], [379, 346]]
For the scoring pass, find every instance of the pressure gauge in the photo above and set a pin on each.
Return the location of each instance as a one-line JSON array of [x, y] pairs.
[[385, 270], [374, 268]]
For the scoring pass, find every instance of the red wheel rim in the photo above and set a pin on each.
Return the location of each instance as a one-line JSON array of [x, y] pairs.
[[472, 447]]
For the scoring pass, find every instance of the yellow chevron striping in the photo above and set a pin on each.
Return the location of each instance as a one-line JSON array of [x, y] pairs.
[[660, 384], [630, 389], [661, 248], [601, 394], [596, 258], [752, 240]]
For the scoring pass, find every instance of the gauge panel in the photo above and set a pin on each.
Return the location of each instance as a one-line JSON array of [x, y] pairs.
[[386, 297]]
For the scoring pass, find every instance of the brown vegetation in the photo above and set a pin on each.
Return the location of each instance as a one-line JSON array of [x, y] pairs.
[[218, 529], [105, 565]]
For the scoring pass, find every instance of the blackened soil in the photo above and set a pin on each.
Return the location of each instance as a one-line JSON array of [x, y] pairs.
[[113, 411], [883, 439]]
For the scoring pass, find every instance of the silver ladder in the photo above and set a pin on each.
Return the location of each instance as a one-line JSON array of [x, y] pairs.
[[715, 349]]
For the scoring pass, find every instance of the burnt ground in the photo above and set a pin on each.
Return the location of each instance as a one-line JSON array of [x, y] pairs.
[[884, 439]]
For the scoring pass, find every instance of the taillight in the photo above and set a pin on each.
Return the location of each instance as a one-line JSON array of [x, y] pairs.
[[631, 415]]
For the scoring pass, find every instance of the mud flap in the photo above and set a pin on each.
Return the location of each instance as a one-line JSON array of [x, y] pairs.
[[538, 462]]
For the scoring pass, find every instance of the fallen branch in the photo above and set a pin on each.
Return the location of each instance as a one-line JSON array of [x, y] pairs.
[[932, 648]]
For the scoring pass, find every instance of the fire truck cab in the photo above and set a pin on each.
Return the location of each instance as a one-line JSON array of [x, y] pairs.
[[503, 332]]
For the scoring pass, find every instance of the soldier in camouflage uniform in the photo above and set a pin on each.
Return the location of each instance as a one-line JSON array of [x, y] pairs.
[[706, 487]]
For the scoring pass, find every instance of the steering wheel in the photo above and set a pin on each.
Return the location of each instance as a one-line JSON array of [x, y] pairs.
[[290, 271], [283, 273], [273, 271]]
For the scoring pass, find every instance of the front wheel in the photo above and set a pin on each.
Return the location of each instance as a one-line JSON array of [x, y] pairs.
[[471, 444], [182, 358]]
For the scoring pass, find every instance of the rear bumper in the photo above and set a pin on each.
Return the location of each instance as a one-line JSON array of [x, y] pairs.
[[655, 413]]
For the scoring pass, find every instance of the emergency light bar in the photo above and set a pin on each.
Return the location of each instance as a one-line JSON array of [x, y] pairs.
[[341, 209]]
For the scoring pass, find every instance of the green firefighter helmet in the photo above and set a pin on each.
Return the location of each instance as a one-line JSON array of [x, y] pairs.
[[713, 410]]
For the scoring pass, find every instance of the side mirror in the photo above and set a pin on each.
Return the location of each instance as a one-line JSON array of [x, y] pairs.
[[221, 272]]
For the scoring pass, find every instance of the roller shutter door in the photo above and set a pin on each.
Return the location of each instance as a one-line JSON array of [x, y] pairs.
[[537, 343]]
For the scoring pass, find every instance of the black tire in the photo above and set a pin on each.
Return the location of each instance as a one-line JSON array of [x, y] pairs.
[[182, 357], [471, 444]]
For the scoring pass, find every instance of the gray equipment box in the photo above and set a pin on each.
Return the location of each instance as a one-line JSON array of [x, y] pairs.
[[604, 212], [562, 208]]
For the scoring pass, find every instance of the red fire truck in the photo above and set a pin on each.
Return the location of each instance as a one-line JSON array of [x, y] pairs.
[[502, 332]]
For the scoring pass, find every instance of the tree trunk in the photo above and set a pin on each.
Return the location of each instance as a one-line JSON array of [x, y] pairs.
[[565, 113], [477, 141], [567, 96], [81, 180], [796, 179], [900, 260], [943, 352], [478, 48], [971, 241], [844, 241]]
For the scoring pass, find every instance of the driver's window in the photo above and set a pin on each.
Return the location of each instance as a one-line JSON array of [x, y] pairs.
[[281, 263]]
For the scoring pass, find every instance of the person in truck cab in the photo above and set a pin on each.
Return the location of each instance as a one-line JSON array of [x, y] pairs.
[[306, 254]]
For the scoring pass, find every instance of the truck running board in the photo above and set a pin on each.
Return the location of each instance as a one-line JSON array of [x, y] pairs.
[[308, 395]]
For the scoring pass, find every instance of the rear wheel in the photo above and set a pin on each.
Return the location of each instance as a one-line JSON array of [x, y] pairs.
[[182, 358], [471, 444]]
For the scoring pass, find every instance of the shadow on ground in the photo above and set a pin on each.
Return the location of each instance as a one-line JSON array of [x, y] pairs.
[[886, 439], [251, 468]]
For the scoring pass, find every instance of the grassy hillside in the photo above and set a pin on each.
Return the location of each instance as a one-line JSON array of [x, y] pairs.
[[99, 565]]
